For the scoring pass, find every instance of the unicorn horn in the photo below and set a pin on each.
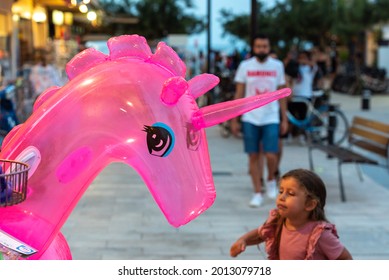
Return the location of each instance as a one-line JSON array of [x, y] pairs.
[[221, 112]]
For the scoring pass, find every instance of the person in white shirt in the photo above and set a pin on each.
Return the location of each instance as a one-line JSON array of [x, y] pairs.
[[44, 75], [302, 89], [261, 127], [303, 84]]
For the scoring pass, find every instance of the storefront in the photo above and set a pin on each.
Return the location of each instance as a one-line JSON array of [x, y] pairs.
[[55, 27], [5, 38], [19, 35], [29, 28]]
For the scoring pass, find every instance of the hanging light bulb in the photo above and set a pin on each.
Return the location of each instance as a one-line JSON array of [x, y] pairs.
[[15, 18], [91, 16], [58, 17], [39, 14], [68, 18], [83, 8]]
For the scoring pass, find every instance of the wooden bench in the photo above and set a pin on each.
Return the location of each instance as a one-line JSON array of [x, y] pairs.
[[368, 143]]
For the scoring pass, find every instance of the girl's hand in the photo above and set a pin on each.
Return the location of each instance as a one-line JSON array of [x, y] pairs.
[[238, 247]]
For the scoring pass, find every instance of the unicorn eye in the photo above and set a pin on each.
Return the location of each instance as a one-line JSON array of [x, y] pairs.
[[160, 139]]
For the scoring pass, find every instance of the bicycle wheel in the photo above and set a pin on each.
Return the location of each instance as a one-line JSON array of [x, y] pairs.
[[340, 131]]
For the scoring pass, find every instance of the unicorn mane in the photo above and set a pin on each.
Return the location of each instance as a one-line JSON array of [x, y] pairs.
[[136, 47], [127, 46]]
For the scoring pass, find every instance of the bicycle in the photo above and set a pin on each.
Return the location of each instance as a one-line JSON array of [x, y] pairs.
[[316, 123]]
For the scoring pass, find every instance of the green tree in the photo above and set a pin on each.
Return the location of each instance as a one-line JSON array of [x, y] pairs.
[[380, 11], [290, 21], [316, 21], [352, 17], [157, 18], [238, 25]]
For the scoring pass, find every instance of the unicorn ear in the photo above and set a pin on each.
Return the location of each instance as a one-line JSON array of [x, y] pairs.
[[201, 84], [173, 89]]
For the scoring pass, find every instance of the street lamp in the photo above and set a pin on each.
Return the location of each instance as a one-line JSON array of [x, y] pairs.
[[208, 36], [254, 19]]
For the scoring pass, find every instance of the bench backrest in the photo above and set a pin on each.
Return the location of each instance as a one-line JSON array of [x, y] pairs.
[[370, 135]]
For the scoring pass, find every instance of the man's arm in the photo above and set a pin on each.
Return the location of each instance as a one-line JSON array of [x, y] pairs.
[[239, 93], [283, 108]]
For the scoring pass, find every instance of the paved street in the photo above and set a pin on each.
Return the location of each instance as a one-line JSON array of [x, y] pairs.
[[117, 218]]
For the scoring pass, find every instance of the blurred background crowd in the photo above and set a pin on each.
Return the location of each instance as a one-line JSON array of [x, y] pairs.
[[347, 41]]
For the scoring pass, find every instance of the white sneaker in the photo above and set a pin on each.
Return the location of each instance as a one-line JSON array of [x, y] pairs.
[[271, 189], [302, 140], [257, 200]]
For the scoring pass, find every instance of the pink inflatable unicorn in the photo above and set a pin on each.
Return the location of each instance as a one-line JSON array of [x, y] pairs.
[[131, 106]]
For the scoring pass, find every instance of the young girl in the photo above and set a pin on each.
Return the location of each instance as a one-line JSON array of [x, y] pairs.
[[298, 228]]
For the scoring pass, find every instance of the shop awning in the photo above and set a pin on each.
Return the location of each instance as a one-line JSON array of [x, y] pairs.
[[52, 2]]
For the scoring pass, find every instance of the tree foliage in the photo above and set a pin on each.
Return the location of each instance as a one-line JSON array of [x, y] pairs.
[[157, 18], [315, 21]]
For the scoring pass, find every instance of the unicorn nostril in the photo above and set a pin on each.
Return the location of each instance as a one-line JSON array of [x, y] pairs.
[[193, 138], [32, 157]]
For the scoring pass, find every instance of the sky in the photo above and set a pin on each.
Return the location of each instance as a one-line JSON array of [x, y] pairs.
[[217, 41], [226, 43]]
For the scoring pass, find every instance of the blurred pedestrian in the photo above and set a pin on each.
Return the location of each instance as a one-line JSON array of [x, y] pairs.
[[298, 228], [43, 75], [257, 75], [202, 62], [274, 55], [282, 134], [322, 61], [302, 89]]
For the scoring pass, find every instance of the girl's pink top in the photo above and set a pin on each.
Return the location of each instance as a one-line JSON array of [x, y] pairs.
[[316, 240]]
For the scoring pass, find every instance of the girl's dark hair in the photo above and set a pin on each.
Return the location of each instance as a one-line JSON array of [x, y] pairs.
[[315, 188]]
